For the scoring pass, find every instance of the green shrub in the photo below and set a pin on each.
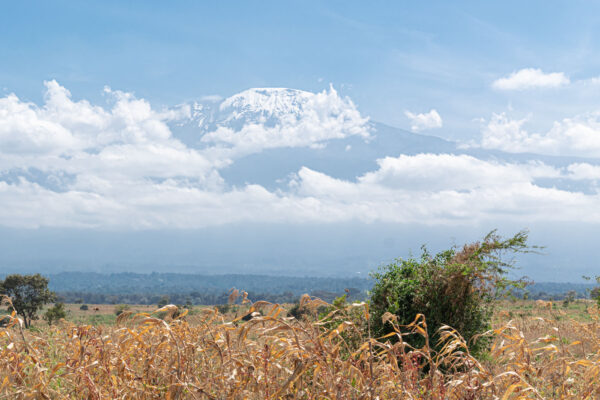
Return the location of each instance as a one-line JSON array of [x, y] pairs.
[[454, 287], [84, 307], [224, 308], [55, 313]]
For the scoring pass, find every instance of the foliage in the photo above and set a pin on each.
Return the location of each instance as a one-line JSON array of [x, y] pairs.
[[224, 308], [55, 313], [595, 292], [569, 298], [297, 311], [84, 307], [354, 316], [454, 287], [29, 293], [120, 308]]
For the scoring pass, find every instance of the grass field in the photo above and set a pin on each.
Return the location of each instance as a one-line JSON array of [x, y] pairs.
[[536, 354]]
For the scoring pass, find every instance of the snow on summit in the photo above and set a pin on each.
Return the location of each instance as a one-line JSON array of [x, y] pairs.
[[278, 117], [267, 102]]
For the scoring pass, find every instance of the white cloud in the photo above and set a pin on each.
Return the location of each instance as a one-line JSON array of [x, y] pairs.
[[435, 172], [128, 141], [530, 78], [424, 121], [444, 189], [583, 171], [577, 136], [120, 167]]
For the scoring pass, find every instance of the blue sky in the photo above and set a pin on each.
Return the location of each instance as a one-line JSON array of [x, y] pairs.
[[387, 56], [144, 116]]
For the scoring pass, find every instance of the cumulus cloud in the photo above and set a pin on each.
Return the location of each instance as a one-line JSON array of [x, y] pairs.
[[105, 147], [443, 189], [577, 136], [435, 172], [424, 121], [70, 163], [530, 78]]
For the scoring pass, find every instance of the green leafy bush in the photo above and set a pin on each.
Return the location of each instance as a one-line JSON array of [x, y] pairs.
[[55, 313], [224, 308], [454, 287]]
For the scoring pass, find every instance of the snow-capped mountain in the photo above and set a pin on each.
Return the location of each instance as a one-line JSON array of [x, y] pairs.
[[267, 106], [282, 130]]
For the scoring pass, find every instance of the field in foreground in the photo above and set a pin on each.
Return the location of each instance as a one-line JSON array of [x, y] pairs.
[[536, 354]]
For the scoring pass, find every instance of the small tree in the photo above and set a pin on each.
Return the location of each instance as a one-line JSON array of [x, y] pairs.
[[29, 293], [55, 313], [569, 298], [455, 287]]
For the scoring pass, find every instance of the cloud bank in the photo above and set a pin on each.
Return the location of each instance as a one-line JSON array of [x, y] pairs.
[[70, 163]]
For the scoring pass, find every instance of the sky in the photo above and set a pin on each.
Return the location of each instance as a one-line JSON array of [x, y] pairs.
[[388, 57], [131, 115]]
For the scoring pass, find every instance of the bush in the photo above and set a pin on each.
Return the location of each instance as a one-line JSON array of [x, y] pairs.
[[224, 308], [454, 287], [120, 308], [55, 313], [297, 311], [84, 307]]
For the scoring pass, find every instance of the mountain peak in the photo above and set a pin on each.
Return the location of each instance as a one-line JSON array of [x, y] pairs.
[[266, 103]]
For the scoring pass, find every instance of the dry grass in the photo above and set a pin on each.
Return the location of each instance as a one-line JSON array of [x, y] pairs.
[[206, 356]]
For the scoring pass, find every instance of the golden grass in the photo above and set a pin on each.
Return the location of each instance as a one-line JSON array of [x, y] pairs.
[[274, 357]]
